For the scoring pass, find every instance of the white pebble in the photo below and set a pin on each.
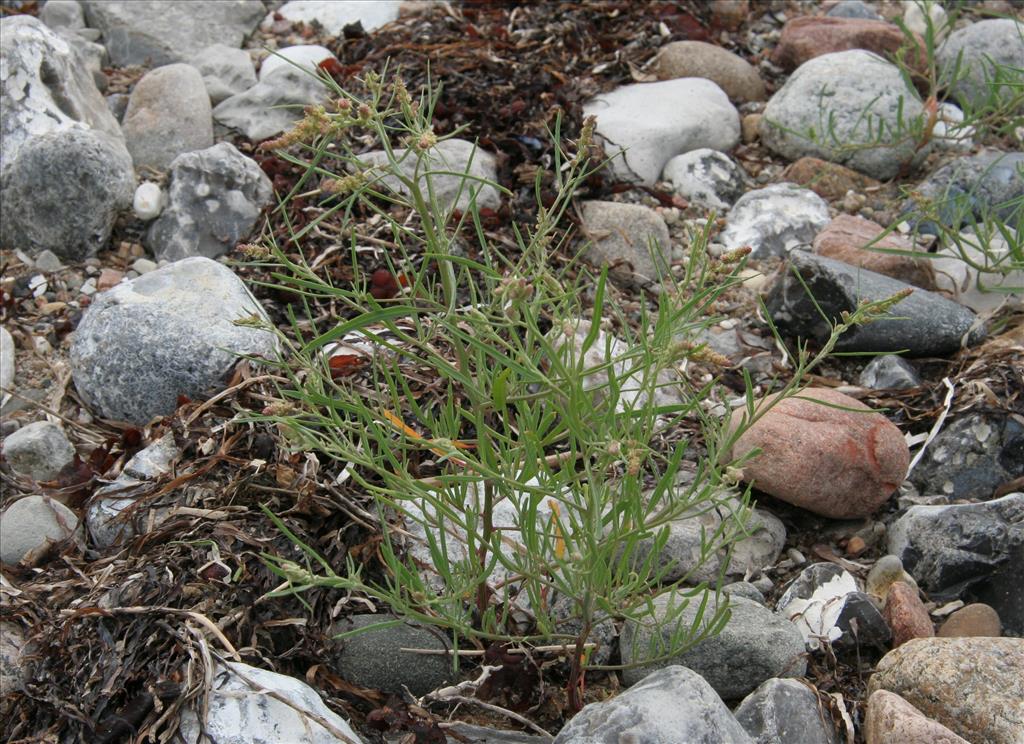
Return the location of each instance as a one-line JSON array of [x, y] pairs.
[[144, 265], [148, 201], [914, 20]]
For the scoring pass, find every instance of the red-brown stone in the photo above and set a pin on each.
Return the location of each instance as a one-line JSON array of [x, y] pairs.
[[846, 239], [906, 614], [828, 180], [837, 463], [812, 36]]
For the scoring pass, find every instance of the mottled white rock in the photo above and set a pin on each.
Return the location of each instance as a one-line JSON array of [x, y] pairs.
[[631, 239], [950, 132], [226, 71], [834, 106], [242, 710], [669, 706], [38, 450], [707, 178], [165, 334], [168, 115], [148, 201], [29, 524], [6, 361], [775, 220], [451, 156], [44, 87], [334, 15], [303, 56], [956, 272], [214, 201], [157, 32], [652, 122]]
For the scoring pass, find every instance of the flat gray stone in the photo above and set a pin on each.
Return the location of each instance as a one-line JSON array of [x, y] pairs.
[[775, 220], [889, 372], [853, 9], [631, 239], [923, 324], [155, 32], [45, 86], [985, 50], [109, 518], [844, 99], [32, 522], [43, 205], [241, 710], [226, 71], [453, 156], [973, 552], [63, 15], [650, 123], [214, 201], [785, 711], [273, 105], [669, 706], [164, 334], [38, 450], [756, 644], [374, 659], [168, 114]]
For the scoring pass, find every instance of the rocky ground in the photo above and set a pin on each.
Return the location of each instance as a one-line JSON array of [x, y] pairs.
[[153, 497]]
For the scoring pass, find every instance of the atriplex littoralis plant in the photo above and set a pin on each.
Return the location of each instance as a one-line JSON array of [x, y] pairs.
[[545, 506]]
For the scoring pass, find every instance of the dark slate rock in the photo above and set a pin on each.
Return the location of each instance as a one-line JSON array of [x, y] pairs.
[[669, 706], [860, 620], [785, 711], [756, 644], [43, 205], [214, 202], [978, 186], [889, 372], [168, 333], [374, 658], [972, 456], [923, 324], [973, 552], [853, 9]]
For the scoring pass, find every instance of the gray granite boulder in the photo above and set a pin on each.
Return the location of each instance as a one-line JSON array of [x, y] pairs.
[[756, 644], [165, 334], [273, 105], [972, 456], [226, 71], [39, 450], [974, 57], [785, 711], [630, 239], [168, 114], [775, 220], [44, 87], [247, 705], [973, 552], [155, 32], [448, 157], [707, 178], [668, 706], [374, 659], [923, 324], [214, 201], [109, 517], [889, 372], [645, 125], [32, 523], [834, 106], [43, 205]]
